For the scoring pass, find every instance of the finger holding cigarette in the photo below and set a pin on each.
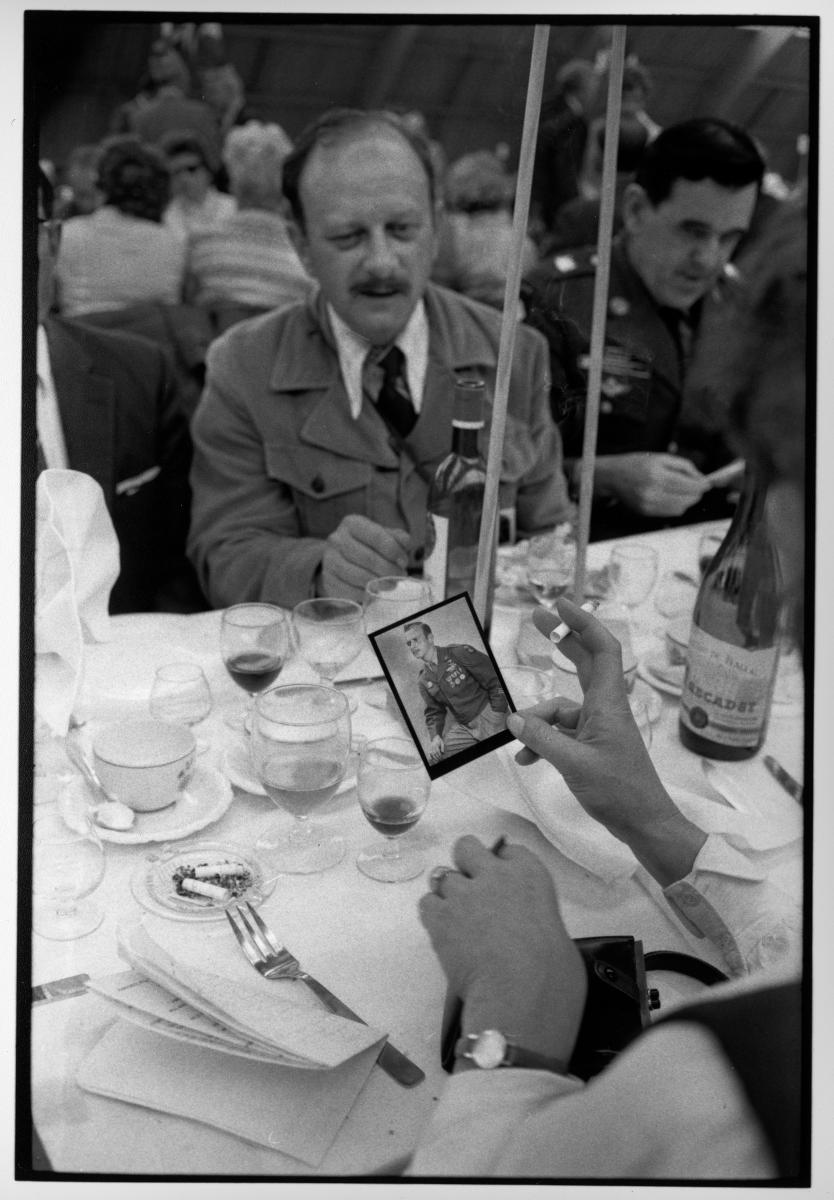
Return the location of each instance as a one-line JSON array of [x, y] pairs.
[[563, 629]]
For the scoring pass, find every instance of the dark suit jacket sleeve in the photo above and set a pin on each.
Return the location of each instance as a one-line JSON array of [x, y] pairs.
[[245, 538]]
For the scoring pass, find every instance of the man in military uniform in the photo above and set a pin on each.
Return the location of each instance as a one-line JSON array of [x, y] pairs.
[[463, 697], [690, 202]]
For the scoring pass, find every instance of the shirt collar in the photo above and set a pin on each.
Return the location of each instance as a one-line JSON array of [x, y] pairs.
[[353, 350]]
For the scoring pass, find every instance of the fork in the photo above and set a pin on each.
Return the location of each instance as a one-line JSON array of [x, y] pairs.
[[274, 961]]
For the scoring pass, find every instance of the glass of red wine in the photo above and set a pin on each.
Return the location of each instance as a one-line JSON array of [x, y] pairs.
[[254, 642], [393, 788], [299, 750]]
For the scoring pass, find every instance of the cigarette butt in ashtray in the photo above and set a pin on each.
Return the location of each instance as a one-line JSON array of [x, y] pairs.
[[563, 629]]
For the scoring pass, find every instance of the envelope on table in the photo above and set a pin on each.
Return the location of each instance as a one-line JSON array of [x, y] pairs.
[[296, 1112]]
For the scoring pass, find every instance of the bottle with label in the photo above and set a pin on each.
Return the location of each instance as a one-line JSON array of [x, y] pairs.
[[456, 500], [734, 641]]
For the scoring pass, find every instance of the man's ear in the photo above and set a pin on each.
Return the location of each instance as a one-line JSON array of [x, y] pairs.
[[634, 206], [299, 240]]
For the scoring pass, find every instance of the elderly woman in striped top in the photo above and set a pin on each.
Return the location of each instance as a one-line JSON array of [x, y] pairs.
[[246, 264]]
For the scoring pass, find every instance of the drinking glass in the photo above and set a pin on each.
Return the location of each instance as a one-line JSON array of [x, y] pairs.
[[527, 685], [299, 749], [180, 693], [393, 790], [67, 865], [329, 634], [392, 598], [254, 640], [633, 570], [551, 563]]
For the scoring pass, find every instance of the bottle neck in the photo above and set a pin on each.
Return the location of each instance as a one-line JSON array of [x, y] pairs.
[[465, 439], [750, 509]]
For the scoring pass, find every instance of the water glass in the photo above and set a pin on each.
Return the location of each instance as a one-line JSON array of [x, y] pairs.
[[527, 685], [393, 789], [180, 693], [329, 633], [633, 568], [299, 750], [551, 564], [67, 866], [392, 598]]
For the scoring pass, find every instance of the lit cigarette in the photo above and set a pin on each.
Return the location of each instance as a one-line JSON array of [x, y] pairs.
[[563, 629]]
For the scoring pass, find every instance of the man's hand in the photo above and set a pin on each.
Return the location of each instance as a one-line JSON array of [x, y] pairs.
[[498, 933], [598, 750], [656, 485], [436, 748], [359, 550]]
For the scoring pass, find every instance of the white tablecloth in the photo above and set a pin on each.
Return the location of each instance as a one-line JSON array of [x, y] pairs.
[[360, 937]]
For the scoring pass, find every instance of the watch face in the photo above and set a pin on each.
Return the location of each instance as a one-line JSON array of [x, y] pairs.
[[489, 1049]]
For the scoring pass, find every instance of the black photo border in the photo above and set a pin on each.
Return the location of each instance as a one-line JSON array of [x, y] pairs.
[[502, 738]]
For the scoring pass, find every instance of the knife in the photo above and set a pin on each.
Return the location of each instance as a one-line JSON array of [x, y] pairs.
[[781, 776], [59, 989], [392, 1060]]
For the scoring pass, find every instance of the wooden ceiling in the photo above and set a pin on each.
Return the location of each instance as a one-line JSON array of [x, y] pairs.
[[468, 77]]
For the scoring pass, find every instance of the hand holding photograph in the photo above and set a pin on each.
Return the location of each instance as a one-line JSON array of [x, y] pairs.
[[446, 683]]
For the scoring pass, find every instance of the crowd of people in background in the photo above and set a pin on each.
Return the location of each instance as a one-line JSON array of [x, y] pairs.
[[177, 226]]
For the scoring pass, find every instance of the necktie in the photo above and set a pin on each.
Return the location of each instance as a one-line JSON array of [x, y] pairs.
[[393, 401]]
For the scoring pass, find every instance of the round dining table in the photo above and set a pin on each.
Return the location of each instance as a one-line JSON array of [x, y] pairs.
[[360, 937]]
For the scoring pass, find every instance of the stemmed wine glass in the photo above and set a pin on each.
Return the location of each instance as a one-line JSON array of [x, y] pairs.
[[633, 569], [329, 634], [181, 693], [254, 640], [392, 597], [551, 564], [68, 864], [299, 747], [393, 789]]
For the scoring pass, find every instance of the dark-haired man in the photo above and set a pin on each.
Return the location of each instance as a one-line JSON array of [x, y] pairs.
[[690, 202], [322, 423], [463, 698]]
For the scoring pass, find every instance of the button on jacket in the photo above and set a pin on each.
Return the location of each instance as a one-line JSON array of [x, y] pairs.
[[279, 461]]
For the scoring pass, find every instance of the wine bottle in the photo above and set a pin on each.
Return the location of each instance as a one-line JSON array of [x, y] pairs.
[[456, 500], [734, 640]]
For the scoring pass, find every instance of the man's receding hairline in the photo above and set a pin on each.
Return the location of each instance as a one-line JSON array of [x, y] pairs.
[[338, 137]]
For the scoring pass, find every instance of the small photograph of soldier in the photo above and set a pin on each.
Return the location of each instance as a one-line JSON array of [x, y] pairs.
[[447, 681]]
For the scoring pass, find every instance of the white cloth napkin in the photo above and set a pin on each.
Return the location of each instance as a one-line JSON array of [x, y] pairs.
[[579, 837], [76, 565]]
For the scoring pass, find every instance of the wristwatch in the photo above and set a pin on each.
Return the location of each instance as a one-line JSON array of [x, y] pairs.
[[491, 1049]]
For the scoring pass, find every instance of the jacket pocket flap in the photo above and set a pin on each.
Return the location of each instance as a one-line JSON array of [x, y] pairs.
[[315, 472]]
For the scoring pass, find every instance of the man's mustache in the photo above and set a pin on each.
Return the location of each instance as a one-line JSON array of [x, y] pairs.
[[381, 283]]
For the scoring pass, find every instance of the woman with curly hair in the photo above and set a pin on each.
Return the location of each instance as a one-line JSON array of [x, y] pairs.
[[247, 263], [122, 254]]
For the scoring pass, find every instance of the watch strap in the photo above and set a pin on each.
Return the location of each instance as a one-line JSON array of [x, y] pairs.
[[514, 1055]]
